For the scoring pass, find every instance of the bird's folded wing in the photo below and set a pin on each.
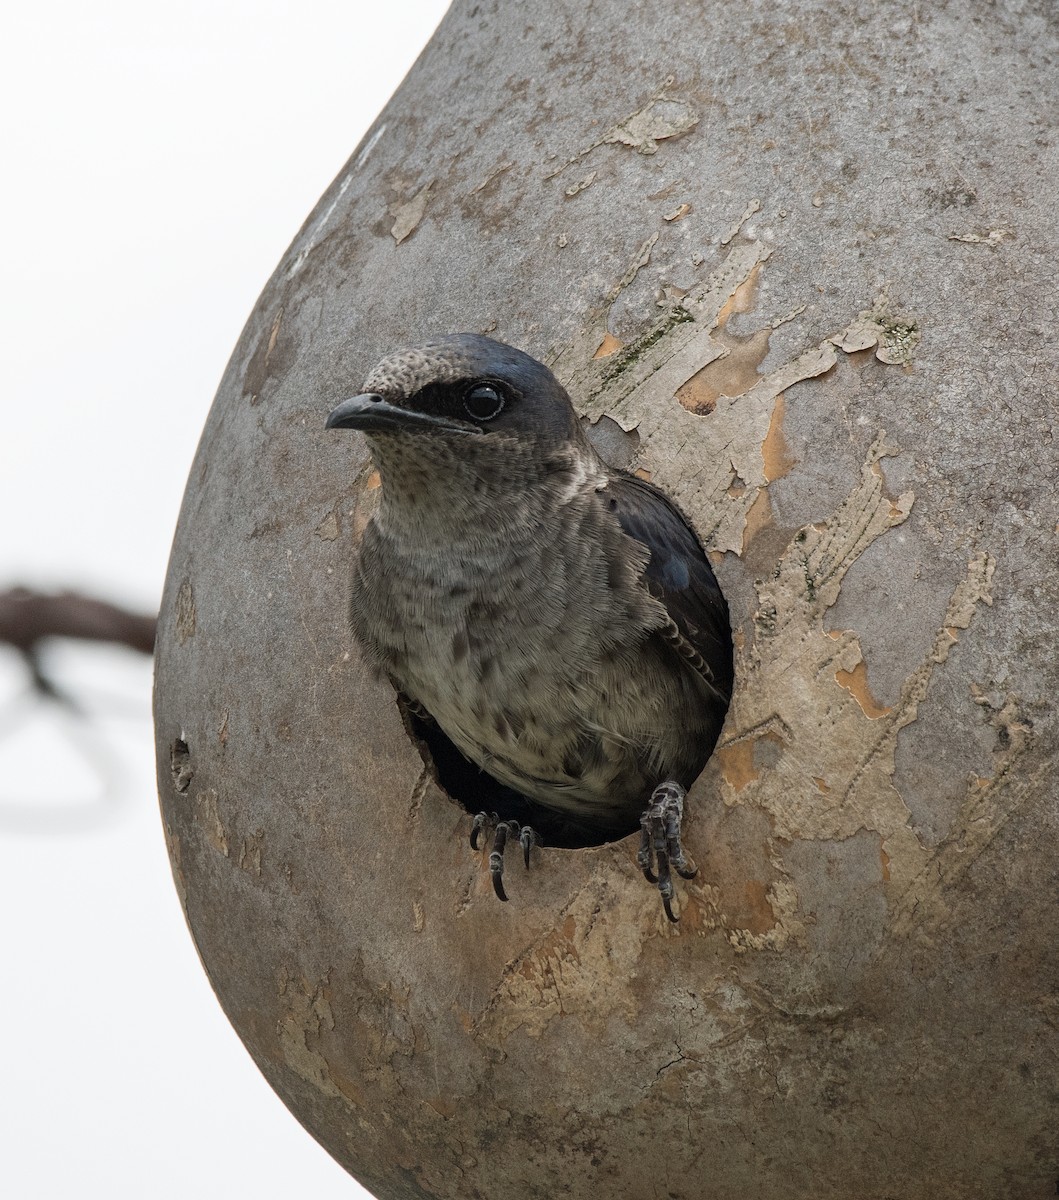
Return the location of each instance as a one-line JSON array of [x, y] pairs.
[[679, 575]]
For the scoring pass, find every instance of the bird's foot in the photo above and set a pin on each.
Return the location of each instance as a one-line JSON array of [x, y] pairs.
[[526, 837], [660, 839]]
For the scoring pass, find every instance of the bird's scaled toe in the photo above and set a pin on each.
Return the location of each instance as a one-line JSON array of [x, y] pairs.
[[496, 870], [481, 821], [660, 845], [526, 837]]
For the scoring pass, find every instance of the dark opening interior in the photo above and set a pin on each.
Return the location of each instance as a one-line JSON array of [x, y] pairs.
[[180, 764]]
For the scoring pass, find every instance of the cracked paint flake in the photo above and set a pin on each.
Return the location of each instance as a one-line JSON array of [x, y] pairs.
[[610, 345], [185, 611], [776, 458], [732, 374], [992, 237], [775, 921], [307, 1014], [657, 121], [643, 257], [895, 337], [209, 817], [834, 774], [328, 529], [559, 971], [788, 683], [753, 207], [250, 853], [493, 175], [635, 386], [663, 117], [986, 806], [580, 185], [831, 764], [408, 214], [855, 682]]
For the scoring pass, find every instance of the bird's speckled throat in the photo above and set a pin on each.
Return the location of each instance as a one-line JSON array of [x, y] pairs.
[[460, 486]]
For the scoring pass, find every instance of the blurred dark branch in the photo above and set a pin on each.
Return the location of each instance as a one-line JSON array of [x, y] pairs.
[[28, 618]]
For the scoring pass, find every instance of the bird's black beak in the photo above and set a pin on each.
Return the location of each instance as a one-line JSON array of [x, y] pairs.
[[375, 415]]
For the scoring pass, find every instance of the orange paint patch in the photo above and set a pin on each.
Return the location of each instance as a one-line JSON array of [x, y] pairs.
[[758, 516], [742, 299], [856, 683], [642, 473], [373, 481], [732, 376], [697, 394], [821, 784], [737, 764], [761, 917], [608, 346], [692, 913], [742, 762], [775, 453]]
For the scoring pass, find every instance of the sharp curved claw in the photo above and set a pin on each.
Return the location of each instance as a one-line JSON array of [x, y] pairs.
[[496, 869], [667, 905], [481, 820], [528, 838], [649, 875], [496, 858]]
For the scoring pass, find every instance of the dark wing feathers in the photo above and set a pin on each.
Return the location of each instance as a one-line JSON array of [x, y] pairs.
[[679, 575]]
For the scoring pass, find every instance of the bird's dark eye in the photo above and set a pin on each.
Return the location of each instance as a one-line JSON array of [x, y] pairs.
[[483, 402]]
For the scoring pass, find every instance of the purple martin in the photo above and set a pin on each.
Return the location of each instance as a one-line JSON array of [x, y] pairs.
[[551, 624]]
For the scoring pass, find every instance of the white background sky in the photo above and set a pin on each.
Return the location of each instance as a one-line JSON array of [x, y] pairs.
[[157, 160]]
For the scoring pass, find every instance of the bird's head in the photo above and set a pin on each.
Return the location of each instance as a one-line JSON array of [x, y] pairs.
[[462, 386]]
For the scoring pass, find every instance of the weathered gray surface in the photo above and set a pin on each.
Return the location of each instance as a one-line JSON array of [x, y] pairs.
[[860, 1000]]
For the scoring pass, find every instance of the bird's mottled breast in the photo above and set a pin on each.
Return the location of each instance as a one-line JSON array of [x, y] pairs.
[[495, 605], [514, 642]]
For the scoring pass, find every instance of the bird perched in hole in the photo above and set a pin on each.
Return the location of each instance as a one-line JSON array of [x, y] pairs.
[[552, 621]]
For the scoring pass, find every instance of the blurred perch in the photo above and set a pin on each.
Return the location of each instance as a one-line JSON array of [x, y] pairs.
[[28, 618]]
